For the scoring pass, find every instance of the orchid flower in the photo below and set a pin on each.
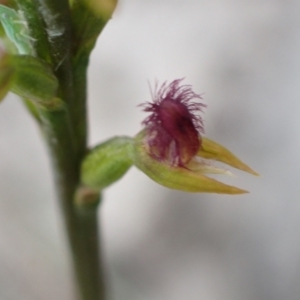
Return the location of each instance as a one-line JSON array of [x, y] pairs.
[[171, 149]]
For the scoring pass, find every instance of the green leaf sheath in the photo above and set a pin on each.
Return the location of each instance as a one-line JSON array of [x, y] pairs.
[[57, 18]]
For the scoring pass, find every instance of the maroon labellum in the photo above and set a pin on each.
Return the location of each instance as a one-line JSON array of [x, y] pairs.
[[173, 128]]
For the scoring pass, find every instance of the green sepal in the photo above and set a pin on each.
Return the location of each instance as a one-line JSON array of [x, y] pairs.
[[107, 162], [16, 29], [178, 178], [6, 75], [34, 80], [212, 150]]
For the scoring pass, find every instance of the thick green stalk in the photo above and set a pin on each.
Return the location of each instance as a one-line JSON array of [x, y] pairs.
[[67, 140], [81, 224]]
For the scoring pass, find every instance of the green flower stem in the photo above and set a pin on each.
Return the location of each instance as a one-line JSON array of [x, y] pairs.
[[81, 225], [86, 29], [88, 265], [66, 139], [80, 110]]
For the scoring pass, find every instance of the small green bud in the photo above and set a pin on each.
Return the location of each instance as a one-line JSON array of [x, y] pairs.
[[6, 74], [35, 81], [107, 162], [89, 19]]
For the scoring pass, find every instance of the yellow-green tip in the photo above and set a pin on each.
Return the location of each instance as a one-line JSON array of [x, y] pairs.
[[212, 150]]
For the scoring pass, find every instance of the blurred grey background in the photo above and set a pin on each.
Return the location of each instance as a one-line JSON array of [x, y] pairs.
[[244, 56]]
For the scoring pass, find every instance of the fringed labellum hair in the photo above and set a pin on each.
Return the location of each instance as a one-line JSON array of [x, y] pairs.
[[173, 127]]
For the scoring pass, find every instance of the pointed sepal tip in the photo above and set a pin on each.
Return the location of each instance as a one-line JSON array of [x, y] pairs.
[[212, 150]]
